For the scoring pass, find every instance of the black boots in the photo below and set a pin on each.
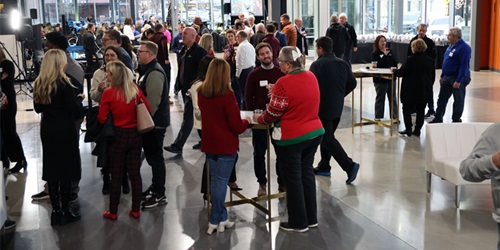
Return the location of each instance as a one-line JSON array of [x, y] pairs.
[[60, 193]]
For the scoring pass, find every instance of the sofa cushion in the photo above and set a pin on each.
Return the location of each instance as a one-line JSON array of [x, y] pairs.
[[449, 170]]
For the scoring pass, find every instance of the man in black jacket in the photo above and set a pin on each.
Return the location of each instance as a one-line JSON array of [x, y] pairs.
[[334, 77], [352, 45], [191, 55], [301, 39], [153, 83], [339, 36], [90, 47], [431, 52]]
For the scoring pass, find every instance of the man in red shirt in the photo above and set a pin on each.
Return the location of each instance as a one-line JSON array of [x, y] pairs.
[[273, 41]]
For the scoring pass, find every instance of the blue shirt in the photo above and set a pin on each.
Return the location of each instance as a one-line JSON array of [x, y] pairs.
[[457, 61]]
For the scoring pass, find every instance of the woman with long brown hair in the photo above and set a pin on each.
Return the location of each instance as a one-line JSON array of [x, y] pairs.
[[221, 123], [55, 99]]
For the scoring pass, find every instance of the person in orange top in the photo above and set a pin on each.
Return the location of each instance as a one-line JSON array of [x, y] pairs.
[[289, 30]]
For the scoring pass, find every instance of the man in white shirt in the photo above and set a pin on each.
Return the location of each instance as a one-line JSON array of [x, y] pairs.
[[245, 62]]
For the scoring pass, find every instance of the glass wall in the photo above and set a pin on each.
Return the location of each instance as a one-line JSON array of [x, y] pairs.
[[147, 8], [210, 11], [307, 9]]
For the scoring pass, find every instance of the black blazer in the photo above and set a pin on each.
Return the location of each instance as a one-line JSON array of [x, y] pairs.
[[192, 58], [383, 61], [301, 40], [418, 77], [333, 75]]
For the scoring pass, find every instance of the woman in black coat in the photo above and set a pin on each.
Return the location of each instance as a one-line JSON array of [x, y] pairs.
[[416, 88], [12, 149], [55, 99], [384, 59]]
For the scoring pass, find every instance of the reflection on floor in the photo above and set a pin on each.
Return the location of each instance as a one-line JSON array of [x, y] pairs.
[[387, 207]]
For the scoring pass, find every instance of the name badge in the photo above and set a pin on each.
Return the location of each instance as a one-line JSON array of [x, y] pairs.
[[263, 83], [451, 54]]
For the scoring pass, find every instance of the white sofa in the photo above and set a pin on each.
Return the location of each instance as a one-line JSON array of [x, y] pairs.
[[446, 146]]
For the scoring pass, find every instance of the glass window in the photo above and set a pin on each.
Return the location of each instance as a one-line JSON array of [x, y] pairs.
[[309, 22], [147, 8], [99, 9]]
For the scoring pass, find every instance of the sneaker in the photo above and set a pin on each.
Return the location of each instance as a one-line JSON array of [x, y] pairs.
[[154, 201], [173, 149], [353, 173], [197, 146], [286, 227], [262, 190], [436, 121], [313, 225], [73, 197], [322, 171], [40, 196], [9, 224], [147, 194], [416, 133], [429, 114]]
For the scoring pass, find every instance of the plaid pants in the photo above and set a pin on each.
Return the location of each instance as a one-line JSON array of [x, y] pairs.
[[124, 154]]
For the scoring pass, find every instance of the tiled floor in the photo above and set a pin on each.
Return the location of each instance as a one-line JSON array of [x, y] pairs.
[[387, 207]]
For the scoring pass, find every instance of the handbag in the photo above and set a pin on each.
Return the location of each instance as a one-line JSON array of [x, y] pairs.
[[144, 121]]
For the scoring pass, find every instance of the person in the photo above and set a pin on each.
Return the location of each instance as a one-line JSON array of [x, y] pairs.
[[177, 41], [91, 48], [167, 33], [483, 163], [259, 34], [334, 77], [12, 151], [289, 30], [127, 45], [455, 76], [339, 36], [416, 88], [113, 38], [301, 38], [124, 152], [352, 44], [207, 43], [161, 41], [230, 57], [256, 97], [55, 99], [279, 35], [220, 119], [203, 27], [295, 104], [383, 87], [191, 55], [245, 63], [153, 83], [274, 42], [251, 24], [431, 52], [128, 30], [5, 222]]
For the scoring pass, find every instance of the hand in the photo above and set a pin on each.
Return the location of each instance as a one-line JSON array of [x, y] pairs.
[[456, 85], [386, 51], [82, 95], [256, 117], [269, 89], [102, 86], [249, 119], [355, 49], [496, 159], [5, 75], [167, 62]]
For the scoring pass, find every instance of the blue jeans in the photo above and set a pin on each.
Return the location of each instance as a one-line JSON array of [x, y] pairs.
[[445, 92], [221, 166]]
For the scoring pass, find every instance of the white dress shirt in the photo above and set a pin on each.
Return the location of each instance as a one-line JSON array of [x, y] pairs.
[[245, 57], [127, 30]]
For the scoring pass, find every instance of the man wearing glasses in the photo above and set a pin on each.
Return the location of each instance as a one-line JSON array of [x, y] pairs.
[[455, 76], [113, 38]]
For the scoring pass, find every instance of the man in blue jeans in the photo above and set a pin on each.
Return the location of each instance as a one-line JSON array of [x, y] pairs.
[[455, 76]]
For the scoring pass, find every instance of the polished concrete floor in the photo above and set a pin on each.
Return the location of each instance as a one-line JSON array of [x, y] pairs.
[[387, 206]]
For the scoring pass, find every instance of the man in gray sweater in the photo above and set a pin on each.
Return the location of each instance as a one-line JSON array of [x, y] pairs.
[[484, 163]]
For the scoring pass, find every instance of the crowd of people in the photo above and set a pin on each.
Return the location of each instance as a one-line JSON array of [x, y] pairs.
[[262, 69]]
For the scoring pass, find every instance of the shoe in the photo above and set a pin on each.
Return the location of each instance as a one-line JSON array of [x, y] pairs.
[[414, 114], [69, 216], [378, 119], [457, 121], [262, 190], [313, 225], [223, 225], [211, 228], [73, 197], [6, 163], [108, 215], [405, 132], [286, 227], [147, 194], [416, 133], [436, 121], [322, 171], [154, 201], [197, 146], [136, 215], [173, 149], [353, 173], [23, 164], [234, 187], [40, 196], [56, 217], [9, 224], [429, 114]]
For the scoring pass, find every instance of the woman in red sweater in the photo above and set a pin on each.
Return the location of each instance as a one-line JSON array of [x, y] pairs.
[[221, 123], [294, 106], [124, 152]]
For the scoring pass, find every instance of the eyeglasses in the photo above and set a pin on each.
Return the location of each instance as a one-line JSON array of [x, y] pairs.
[[105, 39], [141, 51]]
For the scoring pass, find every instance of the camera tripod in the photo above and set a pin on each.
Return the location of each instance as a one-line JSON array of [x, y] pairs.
[[22, 76]]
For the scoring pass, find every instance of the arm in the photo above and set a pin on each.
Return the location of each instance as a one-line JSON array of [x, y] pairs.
[[431, 50], [277, 106], [464, 63], [71, 103], [354, 37], [104, 107], [95, 93], [144, 99], [154, 88], [233, 115], [249, 92], [240, 57], [482, 162]]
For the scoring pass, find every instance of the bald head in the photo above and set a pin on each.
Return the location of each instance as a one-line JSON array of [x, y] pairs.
[[189, 36]]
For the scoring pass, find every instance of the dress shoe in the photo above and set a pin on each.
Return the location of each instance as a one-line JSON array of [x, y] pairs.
[[436, 121], [234, 187], [108, 215], [23, 164], [416, 133], [134, 214], [211, 228], [70, 216], [55, 217], [262, 190], [223, 225], [405, 132], [197, 146], [173, 149]]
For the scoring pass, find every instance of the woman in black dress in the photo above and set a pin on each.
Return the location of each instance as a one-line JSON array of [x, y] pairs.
[[384, 59], [416, 89], [12, 149], [55, 99]]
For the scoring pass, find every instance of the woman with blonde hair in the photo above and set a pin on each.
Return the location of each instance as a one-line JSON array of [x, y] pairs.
[[220, 119], [207, 42], [55, 99], [124, 152]]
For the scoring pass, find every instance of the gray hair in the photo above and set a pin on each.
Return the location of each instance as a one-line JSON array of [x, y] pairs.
[[251, 17], [456, 31], [334, 19], [292, 55], [343, 15], [260, 27]]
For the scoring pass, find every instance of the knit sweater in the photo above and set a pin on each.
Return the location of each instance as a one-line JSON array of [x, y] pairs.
[[295, 103], [221, 122], [255, 94]]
